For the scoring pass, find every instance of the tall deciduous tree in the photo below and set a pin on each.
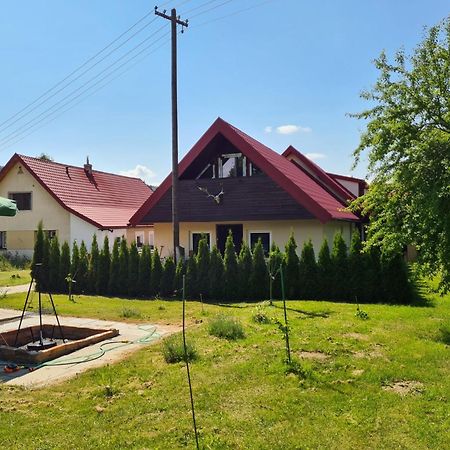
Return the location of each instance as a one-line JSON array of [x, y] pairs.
[[407, 138]]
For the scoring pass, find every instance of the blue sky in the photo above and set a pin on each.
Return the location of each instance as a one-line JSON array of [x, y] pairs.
[[284, 63]]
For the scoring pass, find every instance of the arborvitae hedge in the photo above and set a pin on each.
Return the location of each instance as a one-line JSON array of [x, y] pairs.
[[38, 255], [368, 276]]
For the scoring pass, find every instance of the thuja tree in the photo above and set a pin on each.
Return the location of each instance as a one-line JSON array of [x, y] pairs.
[[325, 272], [339, 260], [245, 264], [104, 263], [407, 140], [114, 269], [38, 256], [180, 270], [373, 281], [133, 270], [274, 264], [93, 266], [291, 269], [357, 268], [168, 276], [123, 267], [396, 285], [156, 273], [308, 276], [74, 265], [83, 266], [54, 263], [191, 278], [203, 267], [145, 264], [259, 275], [64, 267], [231, 288], [216, 275]]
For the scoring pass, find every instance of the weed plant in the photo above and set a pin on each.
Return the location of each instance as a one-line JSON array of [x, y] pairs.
[[226, 327], [173, 350]]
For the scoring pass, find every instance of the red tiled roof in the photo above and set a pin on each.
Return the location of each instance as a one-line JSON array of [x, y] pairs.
[[327, 180], [304, 189], [103, 199]]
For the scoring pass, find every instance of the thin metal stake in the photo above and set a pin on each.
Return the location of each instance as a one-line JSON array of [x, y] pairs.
[[286, 333], [187, 362]]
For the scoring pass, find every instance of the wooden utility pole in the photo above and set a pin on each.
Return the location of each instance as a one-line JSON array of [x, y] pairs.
[[175, 219]]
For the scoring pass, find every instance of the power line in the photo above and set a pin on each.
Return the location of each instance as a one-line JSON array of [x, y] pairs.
[[210, 9], [87, 96], [199, 6], [18, 131]]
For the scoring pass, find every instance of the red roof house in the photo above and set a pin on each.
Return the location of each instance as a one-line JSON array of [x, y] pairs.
[[230, 181]]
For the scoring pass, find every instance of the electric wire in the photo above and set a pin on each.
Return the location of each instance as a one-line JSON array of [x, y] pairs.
[[20, 130], [85, 97], [83, 65], [210, 9], [199, 7]]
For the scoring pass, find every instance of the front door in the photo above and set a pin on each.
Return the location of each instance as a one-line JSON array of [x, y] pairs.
[[222, 232]]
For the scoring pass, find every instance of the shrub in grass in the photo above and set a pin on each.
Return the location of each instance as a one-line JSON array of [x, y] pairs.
[[297, 368], [173, 350], [260, 314], [226, 327], [129, 313]]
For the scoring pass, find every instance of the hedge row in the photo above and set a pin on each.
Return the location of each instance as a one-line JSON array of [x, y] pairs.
[[336, 275]]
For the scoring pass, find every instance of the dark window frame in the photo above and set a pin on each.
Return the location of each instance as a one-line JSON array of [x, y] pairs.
[[22, 202]]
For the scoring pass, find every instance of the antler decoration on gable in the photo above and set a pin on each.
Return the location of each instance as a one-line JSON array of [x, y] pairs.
[[217, 198]]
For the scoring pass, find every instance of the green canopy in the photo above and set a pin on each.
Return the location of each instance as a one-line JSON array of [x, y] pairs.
[[7, 207]]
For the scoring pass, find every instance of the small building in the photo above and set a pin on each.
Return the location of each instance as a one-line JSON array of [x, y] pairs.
[[230, 181], [73, 203]]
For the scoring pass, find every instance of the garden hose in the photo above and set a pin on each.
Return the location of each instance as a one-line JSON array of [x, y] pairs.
[[149, 337]]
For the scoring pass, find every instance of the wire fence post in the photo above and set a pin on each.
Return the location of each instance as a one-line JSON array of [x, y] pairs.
[[286, 326]]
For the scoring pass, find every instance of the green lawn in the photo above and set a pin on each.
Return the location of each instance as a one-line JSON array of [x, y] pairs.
[[14, 277], [243, 397]]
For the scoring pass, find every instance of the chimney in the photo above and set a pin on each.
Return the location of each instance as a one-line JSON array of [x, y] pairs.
[[88, 167]]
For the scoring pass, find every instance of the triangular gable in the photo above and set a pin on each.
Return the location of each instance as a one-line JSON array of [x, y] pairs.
[[294, 181]]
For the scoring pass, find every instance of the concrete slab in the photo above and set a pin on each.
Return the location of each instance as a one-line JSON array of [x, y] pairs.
[[15, 289], [131, 338]]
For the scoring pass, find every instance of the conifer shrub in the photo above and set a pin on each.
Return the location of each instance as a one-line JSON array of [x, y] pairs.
[[291, 269], [173, 350], [308, 274], [156, 274], [168, 276], [356, 268], [245, 266], [83, 266], [180, 270], [226, 327], [231, 278], [123, 267], [373, 283], [104, 263], [45, 268], [114, 269], [93, 266], [216, 275], [396, 284], [339, 259], [145, 268], [203, 258], [64, 268], [54, 262], [191, 278], [38, 257], [133, 270], [325, 272], [74, 265], [259, 275], [274, 264]]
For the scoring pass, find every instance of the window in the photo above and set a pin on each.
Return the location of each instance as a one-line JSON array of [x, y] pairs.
[[22, 199], [232, 165], [139, 240], [50, 234], [265, 237], [3, 240], [151, 239], [195, 239]]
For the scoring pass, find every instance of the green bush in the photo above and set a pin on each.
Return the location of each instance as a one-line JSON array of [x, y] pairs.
[[156, 274], [104, 264], [93, 266], [260, 314], [123, 267], [325, 272], [114, 269], [231, 278], [259, 278], [202, 259], [275, 262], [245, 264], [191, 289], [133, 270], [173, 350], [340, 289], [145, 269], [168, 277], [291, 269], [64, 267], [129, 313], [83, 267], [216, 273], [308, 282], [54, 263], [226, 327]]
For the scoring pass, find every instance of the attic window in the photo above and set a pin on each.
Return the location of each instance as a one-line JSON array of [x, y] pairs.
[[232, 165], [22, 199]]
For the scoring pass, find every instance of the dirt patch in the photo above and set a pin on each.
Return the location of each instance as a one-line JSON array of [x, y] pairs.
[[405, 387], [357, 372], [370, 353], [357, 336], [320, 356]]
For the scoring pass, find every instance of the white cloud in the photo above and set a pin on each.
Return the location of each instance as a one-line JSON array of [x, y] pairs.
[[142, 172], [268, 129], [291, 129], [314, 156]]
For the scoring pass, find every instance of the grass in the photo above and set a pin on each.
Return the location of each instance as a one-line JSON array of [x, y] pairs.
[[341, 396], [14, 277]]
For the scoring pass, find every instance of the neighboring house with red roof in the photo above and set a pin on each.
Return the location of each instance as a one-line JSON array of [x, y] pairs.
[[73, 203], [230, 181]]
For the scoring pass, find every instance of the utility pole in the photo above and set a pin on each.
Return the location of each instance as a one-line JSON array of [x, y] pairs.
[[175, 219]]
